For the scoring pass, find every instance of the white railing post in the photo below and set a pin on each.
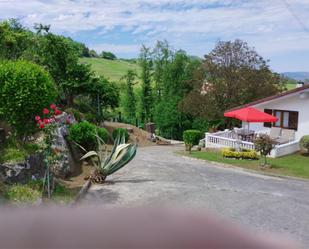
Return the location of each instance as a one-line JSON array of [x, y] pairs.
[[206, 138]]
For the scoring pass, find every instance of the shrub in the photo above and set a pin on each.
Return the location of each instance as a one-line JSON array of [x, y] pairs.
[[84, 133], [304, 143], [25, 89], [102, 133], [192, 137], [121, 132], [22, 194], [264, 144], [244, 154]]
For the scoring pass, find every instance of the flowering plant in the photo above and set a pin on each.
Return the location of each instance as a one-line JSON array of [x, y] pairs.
[[48, 123]]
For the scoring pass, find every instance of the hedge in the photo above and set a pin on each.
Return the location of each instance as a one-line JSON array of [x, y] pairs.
[[246, 154]]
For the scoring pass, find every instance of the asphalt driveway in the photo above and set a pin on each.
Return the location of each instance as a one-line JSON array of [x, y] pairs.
[[159, 177]]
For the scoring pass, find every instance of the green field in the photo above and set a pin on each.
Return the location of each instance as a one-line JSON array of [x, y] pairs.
[[112, 69]]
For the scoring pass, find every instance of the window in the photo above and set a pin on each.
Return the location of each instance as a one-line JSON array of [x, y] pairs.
[[286, 119]]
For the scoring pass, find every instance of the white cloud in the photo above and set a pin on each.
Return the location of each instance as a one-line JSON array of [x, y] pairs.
[[270, 26]]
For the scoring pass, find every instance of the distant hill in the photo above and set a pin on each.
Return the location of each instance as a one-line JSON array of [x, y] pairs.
[[113, 69], [297, 75]]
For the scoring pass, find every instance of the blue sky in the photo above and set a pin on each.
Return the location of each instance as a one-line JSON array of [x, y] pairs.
[[278, 29]]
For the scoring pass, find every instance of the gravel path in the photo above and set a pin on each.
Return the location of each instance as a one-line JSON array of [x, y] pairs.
[[159, 177]]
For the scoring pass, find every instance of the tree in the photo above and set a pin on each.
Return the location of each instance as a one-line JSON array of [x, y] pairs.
[[175, 73], [233, 74], [264, 144], [108, 55], [161, 57], [104, 95], [146, 97], [14, 39], [129, 103]]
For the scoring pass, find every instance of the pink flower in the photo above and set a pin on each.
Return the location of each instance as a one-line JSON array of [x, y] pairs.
[[45, 111], [41, 125], [53, 106], [37, 118]]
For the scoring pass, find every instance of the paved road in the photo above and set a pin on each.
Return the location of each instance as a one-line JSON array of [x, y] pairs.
[[157, 176]]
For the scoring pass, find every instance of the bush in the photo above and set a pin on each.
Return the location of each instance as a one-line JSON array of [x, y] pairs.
[[244, 154], [121, 132], [102, 133], [192, 137], [264, 144], [22, 194], [304, 143], [25, 89], [84, 133]]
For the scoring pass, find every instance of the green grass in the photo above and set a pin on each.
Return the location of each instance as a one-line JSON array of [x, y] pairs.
[[31, 192], [292, 165], [290, 86], [14, 151], [112, 69]]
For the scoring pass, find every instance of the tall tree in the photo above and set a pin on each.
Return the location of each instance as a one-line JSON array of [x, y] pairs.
[[161, 57], [235, 75], [129, 103], [146, 96]]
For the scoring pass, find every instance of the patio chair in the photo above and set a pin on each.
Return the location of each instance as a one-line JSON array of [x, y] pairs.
[[287, 135], [275, 132]]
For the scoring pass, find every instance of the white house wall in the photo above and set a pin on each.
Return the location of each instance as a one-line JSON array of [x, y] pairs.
[[290, 103]]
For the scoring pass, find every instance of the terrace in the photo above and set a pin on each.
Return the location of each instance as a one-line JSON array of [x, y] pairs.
[[240, 138]]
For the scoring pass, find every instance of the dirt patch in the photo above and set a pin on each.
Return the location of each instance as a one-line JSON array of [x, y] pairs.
[[138, 136]]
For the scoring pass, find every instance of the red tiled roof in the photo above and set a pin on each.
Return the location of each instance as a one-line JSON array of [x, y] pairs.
[[296, 90]]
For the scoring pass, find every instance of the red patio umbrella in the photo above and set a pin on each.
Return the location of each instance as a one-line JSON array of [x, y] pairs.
[[251, 115]]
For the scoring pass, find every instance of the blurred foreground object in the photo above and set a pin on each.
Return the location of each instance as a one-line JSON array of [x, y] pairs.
[[94, 227]]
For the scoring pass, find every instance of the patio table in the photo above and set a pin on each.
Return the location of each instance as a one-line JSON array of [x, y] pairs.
[[245, 135]]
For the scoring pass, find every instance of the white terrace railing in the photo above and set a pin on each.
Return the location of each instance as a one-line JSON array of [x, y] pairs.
[[226, 139]]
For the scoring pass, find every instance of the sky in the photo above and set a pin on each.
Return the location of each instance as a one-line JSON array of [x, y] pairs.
[[277, 29]]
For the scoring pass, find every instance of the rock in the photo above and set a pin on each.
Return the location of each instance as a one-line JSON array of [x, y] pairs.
[[15, 173], [35, 163], [67, 162]]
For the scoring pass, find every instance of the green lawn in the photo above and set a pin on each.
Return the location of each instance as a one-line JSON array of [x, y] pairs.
[[291, 165], [113, 69], [290, 86]]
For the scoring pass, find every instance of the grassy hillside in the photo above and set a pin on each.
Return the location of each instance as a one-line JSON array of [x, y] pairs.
[[113, 69]]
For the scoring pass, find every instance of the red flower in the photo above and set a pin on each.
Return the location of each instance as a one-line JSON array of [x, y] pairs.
[[37, 118], [57, 112], [46, 121], [45, 111], [41, 125], [53, 106]]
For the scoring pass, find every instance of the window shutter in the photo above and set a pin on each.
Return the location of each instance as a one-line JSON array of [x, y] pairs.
[[268, 111], [293, 120]]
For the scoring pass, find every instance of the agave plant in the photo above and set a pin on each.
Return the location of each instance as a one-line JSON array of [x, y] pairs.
[[105, 165]]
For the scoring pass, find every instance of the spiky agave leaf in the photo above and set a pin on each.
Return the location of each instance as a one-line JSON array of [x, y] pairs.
[[125, 159], [90, 154]]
